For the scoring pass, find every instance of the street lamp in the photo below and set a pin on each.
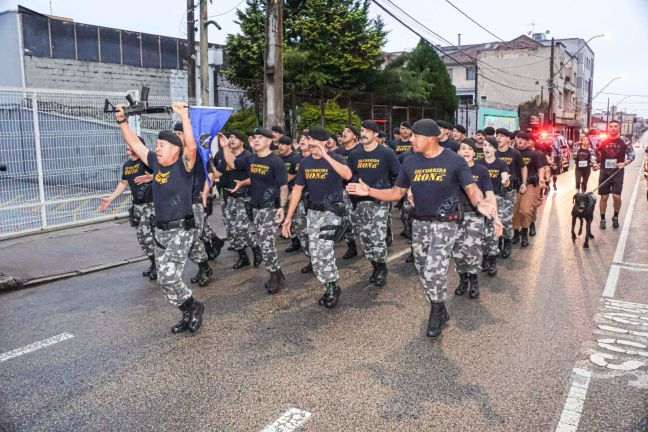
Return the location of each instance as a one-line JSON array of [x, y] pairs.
[[607, 85], [603, 35]]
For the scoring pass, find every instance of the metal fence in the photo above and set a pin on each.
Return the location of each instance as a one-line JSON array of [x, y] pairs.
[[62, 154]]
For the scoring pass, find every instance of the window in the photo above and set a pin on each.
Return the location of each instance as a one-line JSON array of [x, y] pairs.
[[470, 74], [449, 73]]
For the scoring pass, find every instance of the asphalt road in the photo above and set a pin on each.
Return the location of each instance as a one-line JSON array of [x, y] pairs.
[[506, 362]]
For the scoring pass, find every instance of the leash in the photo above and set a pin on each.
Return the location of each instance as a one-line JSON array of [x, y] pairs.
[[607, 180]]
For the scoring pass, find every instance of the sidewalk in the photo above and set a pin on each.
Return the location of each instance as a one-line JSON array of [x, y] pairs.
[[42, 257]]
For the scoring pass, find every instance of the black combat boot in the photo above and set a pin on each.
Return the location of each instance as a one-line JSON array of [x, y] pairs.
[[351, 252], [196, 310], [492, 268], [463, 284], [243, 260], [485, 263], [257, 257], [295, 245], [203, 275], [532, 230], [506, 248], [381, 274], [334, 291], [275, 282], [500, 244], [308, 268], [183, 324], [410, 258], [390, 238], [516, 237], [438, 317], [214, 248], [372, 278], [524, 235], [151, 268], [473, 291]]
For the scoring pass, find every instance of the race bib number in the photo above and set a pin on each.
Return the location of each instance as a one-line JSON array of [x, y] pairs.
[[610, 163], [582, 164]]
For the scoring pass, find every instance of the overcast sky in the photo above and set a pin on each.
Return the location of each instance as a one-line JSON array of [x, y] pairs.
[[623, 54]]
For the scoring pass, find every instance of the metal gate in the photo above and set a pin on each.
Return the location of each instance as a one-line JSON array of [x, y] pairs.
[[62, 154]]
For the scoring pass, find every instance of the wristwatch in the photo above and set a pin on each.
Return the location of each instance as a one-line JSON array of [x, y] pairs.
[[121, 121]]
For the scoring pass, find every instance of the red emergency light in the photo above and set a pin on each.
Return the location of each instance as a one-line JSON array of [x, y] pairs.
[[543, 134], [603, 136]]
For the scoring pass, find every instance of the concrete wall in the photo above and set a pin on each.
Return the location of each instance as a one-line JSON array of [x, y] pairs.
[[11, 65], [42, 72]]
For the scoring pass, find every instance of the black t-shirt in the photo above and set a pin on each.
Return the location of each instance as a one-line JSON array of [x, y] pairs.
[[583, 157], [513, 159], [376, 168], [534, 160], [434, 180], [345, 153], [323, 184], [481, 177], [450, 144], [267, 174], [610, 150], [239, 172], [495, 170], [479, 152], [198, 180], [405, 155], [400, 146], [290, 161], [218, 158], [142, 193], [172, 187]]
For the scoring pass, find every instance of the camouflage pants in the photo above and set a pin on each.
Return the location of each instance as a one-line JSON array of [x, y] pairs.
[[144, 230], [348, 217], [170, 259], [432, 244], [505, 206], [370, 223], [239, 223], [267, 229], [300, 227], [467, 251], [208, 232], [491, 241], [223, 205], [197, 252], [321, 228], [406, 217]]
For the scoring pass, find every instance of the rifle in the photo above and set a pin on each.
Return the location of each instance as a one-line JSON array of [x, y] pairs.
[[140, 107]]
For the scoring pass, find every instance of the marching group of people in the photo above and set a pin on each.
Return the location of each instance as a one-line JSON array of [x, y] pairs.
[[469, 200]]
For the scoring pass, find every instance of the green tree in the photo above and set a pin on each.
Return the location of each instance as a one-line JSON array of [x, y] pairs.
[[336, 118], [244, 120]]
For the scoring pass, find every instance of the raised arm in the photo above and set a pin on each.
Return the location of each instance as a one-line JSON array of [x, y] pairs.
[[130, 136], [190, 149], [361, 189], [340, 168]]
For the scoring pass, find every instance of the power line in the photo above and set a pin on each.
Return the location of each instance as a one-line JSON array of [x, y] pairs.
[[479, 25], [624, 94], [443, 53], [225, 13]]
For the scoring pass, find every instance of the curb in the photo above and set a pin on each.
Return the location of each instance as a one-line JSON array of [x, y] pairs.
[[9, 283]]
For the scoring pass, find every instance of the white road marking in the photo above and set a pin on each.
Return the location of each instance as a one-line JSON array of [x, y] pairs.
[[399, 254], [35, 346], [288, 421], [629, 264], [573, 409], [613, 278]]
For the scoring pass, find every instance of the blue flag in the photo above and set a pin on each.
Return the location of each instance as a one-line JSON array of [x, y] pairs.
[[206, 122]]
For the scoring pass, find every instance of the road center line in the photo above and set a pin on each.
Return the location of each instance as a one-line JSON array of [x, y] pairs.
[[35, 346], [288, 421], [399, 254], [575, 401]]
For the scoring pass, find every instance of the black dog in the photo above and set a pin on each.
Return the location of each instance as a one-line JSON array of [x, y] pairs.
[[583, 209]]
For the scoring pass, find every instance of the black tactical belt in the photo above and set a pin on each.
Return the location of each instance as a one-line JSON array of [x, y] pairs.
[[265, 205], [425, 218], [321, 207], [188, 221]]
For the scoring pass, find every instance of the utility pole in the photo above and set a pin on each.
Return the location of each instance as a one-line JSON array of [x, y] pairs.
[[551, 85], [204, 56], [607, 115], [273, 65], [476, 99], [191, 55]]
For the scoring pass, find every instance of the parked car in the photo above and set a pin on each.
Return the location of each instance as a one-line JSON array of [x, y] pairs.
[[548, 141]]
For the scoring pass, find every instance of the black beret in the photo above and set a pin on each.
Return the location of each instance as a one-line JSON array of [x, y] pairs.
[[460, 128], [177, 127], [467, 142], [523, 135], [371, 125], [285, 140], [480, 132], [396, 131], [406, 124], [503, 131], [382, 134], [334, 136], [277, 129], [489, 131], [167, 135], [355, 130], [444, 124], [250, 134], [240, 135], [492, 140], [426, 127], [318, 133], [263, 132]]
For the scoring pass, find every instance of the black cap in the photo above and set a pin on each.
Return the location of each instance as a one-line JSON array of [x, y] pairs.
[[503, 131], [426, 127], [460, 128], [406, 124], [396, 131], [480, 131], [277, 129], [355, 130], [263, 132], [238, 134], [523, 135], [334, 136], [285, 140], [167, 135], [489, 131], [371, 125], [444, 124], [178, 127], [467, 142], [382, 134], [492, 140], [318, 133]]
